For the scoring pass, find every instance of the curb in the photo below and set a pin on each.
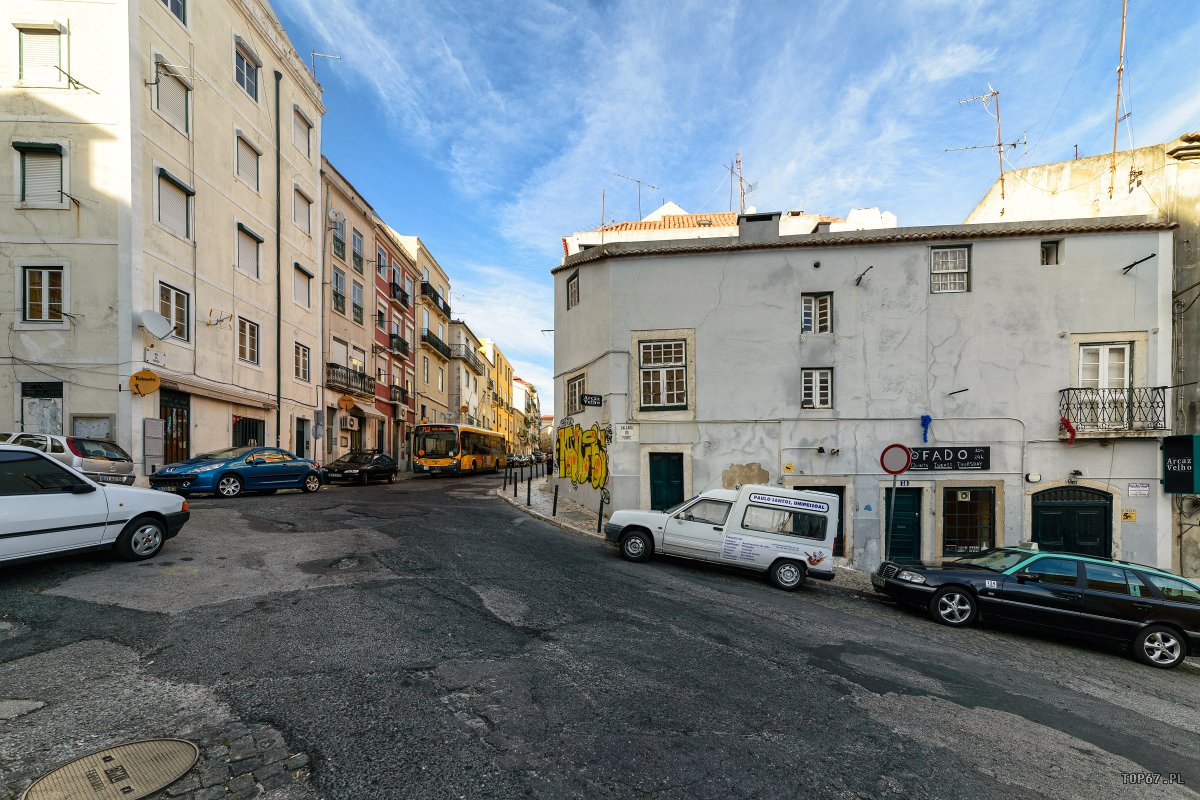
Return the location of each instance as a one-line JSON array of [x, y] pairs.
[[555, 521]]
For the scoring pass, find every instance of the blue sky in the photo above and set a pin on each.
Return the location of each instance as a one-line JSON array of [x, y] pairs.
[[490, 129]]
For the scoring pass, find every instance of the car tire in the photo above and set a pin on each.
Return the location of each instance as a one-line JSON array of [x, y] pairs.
[[953, 606], [787, 575], [312, 483], [636, 546], [229, 486], [364, 478], [142, 538], [1160, 646], [391, 477]]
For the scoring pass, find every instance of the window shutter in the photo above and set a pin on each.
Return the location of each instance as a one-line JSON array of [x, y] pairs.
[[172, 207], [300, 213], [300, 132], [173, 99], [43, 177], [40, 57], [247, 162], [300, 288], [247, 253]]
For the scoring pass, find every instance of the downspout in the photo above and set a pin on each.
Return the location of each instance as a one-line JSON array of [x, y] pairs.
[[278, 270]]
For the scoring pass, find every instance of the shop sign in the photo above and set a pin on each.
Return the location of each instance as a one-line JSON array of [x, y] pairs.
[[1179, 464], [929, 459], [1139, 490]]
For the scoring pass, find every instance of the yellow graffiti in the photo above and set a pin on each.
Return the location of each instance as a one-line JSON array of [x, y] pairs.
[[582, 455]]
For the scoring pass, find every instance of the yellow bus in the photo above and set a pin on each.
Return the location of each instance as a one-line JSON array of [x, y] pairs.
[[457, 449]]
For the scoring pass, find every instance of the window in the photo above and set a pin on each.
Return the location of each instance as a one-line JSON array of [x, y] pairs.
[[408, 286], [816, 388], [339, 238], [425, 369], [816, 315], [40, 173], [1056, 571], [302, 132], [25, 473], [1106, 578], [247, 250], [41, 57], [712, 512], [339, 291], [441, 379], [247, 341], [381, 318], [575, 390], [247, 161], [175, 204], [357, 301], [357, 246], [173, 304], [1104, 366], [381, 262], [43, 290], [302, 286], [425, 318], [171, 96], [573, 290], [425, 274], [663, 368], [178, 8], [245, 70], [1174, 590], [782, 520], [302, 363], [1050, 253], [301, 206], [358, 360], [949, 269], [968, 520]]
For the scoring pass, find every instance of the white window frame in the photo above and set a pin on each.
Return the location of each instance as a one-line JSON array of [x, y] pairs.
[[173, 308], [251, 325], [242, 49], [573, 290], [189, 204], [425, 369], [64, 200], [55, 28], [1051, 252], [297, 193], [662, 373], [163, 71], [297, 272], [299, 116], [576, 387], [302, 362], [815, 382], [240, 231], [939, 263], [22, 322], [240, 137], [816, 313], [181, 16], [1102, 352], [338, 281]]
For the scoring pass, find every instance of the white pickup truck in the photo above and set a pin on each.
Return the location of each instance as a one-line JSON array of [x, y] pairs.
[[787, 533]]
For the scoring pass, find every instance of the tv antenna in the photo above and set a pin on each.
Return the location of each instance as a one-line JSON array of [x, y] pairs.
[[639, 183], [992, 94], [316, 55], [735, 171], [1117, 116]]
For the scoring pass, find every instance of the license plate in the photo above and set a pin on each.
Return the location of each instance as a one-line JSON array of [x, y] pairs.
[[110, 478], [335, 474], [167, 488]]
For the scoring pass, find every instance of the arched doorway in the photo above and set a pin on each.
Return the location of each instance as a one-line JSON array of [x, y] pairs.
[[1072, 519]]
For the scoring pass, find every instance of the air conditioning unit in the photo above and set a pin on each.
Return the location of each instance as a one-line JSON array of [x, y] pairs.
[[348, 423]]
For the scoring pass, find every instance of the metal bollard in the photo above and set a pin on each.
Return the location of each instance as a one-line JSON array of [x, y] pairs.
[[515, 479], [505, 478], [600, 516], [529, 489], [554, 508]]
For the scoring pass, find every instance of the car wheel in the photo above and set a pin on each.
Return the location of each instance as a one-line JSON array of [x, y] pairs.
[[636, 546], [364, 478], [787, 575], [141, 539], [312, 482], [229, 486], [391, 477], [953, 606], [1159, 646]]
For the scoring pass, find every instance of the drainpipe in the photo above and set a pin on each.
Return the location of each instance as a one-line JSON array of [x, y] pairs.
[[278, 270]]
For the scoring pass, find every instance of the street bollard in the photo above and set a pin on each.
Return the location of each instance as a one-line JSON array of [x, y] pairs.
[[529, 489], [600, 517], [515, 486], [505, 477], [554, 508]]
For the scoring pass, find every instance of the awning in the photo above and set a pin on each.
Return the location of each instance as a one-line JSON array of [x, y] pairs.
[[358, 410]]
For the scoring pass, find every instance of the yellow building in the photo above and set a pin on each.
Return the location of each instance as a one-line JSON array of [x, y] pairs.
[[501, 393], [433, 323]]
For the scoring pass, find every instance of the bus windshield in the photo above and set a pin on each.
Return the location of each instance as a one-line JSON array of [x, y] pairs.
[[438, 444]]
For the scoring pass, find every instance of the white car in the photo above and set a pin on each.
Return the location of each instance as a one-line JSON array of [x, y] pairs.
[[48, 508]]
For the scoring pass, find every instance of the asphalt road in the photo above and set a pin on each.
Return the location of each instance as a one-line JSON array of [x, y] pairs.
[[425, 640]]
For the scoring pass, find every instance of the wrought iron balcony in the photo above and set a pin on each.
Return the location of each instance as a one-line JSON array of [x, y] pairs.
[[342, 377], [1137, 411], [428, 291], [397, 293], [399, 394], [467, 354], [358, 313], [339, 302], [358, 263], [397, 344], [433, 340], [339, 247]]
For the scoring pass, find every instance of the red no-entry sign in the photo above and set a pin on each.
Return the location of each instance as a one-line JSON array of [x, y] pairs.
[[895, 459]]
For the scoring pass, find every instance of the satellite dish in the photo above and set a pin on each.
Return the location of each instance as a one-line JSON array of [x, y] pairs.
[[336, 217], [156, 324]]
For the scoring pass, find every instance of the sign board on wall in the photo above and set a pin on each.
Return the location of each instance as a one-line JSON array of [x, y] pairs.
[[1139, 490], [1179, 464], [591, 400], [928, 459], [626, 433]]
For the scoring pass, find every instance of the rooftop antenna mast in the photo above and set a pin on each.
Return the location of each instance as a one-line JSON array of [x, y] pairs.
[[316, 55], [992, 94], [639, 183], [735, 171], [1117, 116]]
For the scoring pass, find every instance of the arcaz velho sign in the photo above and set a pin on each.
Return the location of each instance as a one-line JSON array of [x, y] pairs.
[[928, 459], [1179, 464], [591, 400]]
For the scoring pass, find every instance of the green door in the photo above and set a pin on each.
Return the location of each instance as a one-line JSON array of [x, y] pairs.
[[904, 532], [666, 480], [1073, 520]]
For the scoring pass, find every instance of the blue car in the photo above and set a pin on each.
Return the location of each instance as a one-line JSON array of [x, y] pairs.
[[230, 472]]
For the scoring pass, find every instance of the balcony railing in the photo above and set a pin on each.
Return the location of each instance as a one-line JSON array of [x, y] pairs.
[[339, 302], [351, 380], [397, 344], [358, 263], [1137, 411], [339, 247], [467, 354], [398, 294], [358, 313], [433, 340], [432, 293], [399, 394]]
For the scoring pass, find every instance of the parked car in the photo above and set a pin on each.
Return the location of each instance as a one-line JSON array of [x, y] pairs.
[[100, 460], [48, 508], [362, 466], [234, 470], [1152, 612], [786, 533]]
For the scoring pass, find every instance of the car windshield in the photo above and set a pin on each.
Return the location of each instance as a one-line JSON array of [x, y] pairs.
[[997, 560], [226, 454], [678, 506], [436, 443], [96, 448], [355, 458]]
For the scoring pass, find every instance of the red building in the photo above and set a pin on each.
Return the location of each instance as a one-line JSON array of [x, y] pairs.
[[394, 346]]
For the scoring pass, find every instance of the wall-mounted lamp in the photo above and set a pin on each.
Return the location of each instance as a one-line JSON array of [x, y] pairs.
[[1033, 477], [858, 280]]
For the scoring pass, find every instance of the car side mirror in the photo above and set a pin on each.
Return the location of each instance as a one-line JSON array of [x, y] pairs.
[[81, 488], [255, 462], [1028, 577]]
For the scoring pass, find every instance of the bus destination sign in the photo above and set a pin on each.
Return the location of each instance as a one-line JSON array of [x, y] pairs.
[[929, 459]]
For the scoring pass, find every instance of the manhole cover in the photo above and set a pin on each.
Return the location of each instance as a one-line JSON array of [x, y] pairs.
[[125, 772]]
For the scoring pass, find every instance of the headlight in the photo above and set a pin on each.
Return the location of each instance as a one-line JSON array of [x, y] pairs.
[[911, 577], [205, 468]]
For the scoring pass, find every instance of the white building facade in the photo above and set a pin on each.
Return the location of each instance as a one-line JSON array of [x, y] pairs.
[[1032, 395]]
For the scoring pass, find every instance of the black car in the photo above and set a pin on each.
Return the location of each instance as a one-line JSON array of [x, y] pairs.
[[1152, 612], [362, 466]]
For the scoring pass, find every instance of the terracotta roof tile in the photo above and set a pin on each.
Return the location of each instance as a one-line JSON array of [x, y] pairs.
[[668, 221]]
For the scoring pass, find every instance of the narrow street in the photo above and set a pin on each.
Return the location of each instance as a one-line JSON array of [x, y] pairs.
[[426, 640]]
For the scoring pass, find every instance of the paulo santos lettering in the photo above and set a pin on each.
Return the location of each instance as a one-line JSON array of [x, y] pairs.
[[788, 502]]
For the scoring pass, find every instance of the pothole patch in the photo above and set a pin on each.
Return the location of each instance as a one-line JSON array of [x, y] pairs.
[[126, 772], [11, 709]]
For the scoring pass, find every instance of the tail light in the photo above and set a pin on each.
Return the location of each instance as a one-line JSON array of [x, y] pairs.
[[75, 448], [185, 506], [318, 463]]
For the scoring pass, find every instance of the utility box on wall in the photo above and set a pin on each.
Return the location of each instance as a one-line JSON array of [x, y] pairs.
[[1180, 454]]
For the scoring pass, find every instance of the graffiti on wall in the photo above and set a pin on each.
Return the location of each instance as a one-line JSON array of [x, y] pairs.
[[582, 453]]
